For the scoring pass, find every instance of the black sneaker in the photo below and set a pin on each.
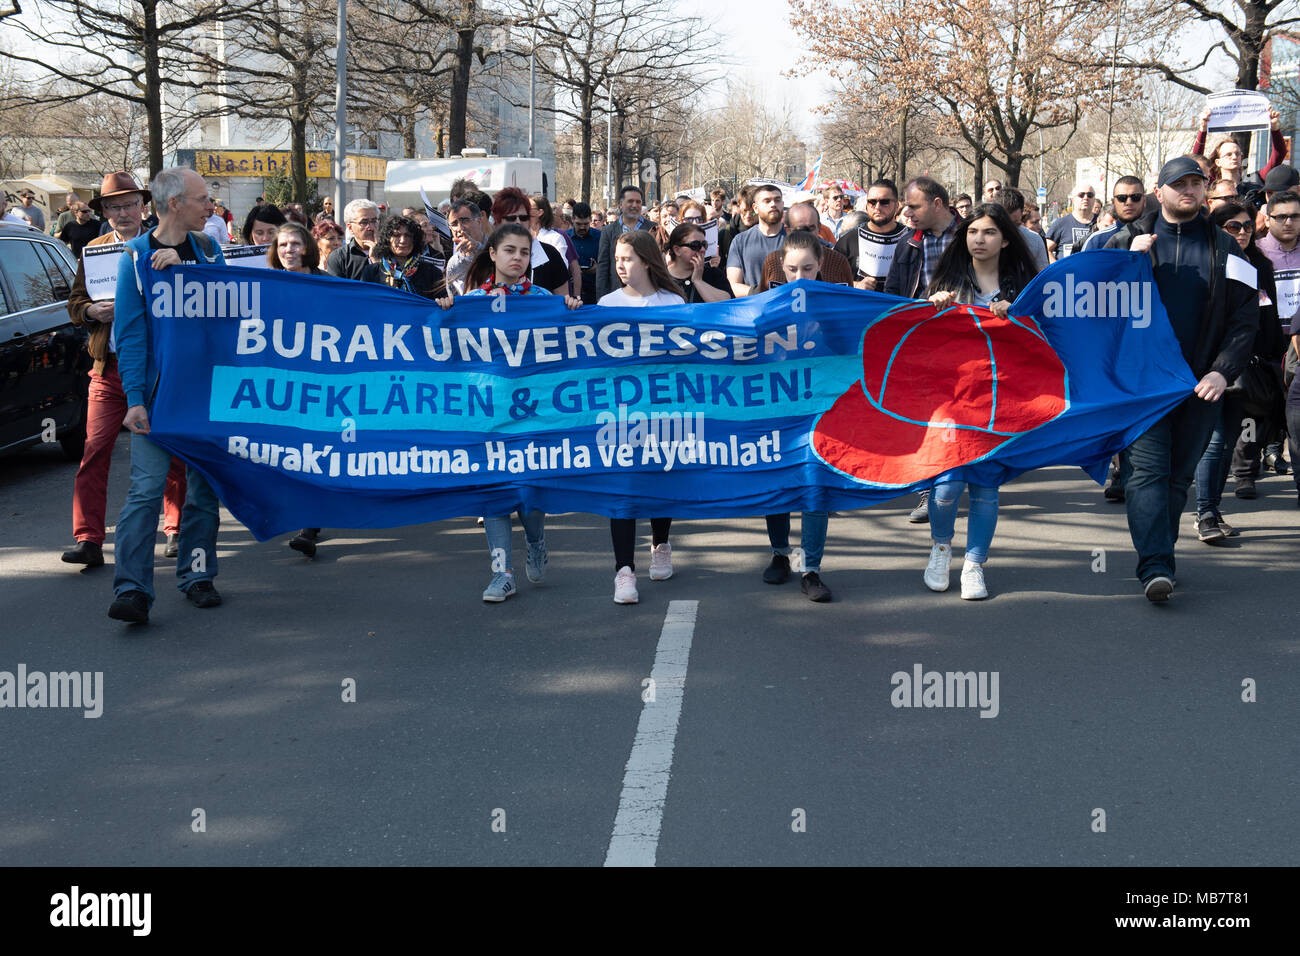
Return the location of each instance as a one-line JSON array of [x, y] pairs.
[[304, 542], [1228, 529], [1114, 493], [815, 589], [130, 606], [173, 546], [85, 552], [1208, 528], [778, 572], [1158, 589], [1245, 488], [921, 513], [203, 594]]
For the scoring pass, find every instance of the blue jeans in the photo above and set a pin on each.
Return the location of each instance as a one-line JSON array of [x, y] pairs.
[[1163, 460], [980, 524], [1212, 471], [812, 537], [498, 530], [137, 525]]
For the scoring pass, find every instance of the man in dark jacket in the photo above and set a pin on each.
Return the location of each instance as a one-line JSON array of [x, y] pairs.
[[630, 199], [349, 260], [915, 259], [1210, 294]]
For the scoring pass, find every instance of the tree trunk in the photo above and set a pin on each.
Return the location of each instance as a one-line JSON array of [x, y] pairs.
[[459, 106], [588, 100], [902, 147], [408, 137], [153, 87], [298, 157]]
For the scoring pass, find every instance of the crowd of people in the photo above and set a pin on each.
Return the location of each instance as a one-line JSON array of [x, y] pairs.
[[1223, 248]]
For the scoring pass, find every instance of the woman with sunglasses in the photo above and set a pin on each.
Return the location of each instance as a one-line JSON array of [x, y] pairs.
[[396, 260], [1237, 219], [646, 282], [501, 268], [695, 214], [686, 263], [986, 264]]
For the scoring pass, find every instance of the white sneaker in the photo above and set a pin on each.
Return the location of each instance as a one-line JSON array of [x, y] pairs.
[[500, 587], [661, 562], [625, 587], [972, 582], [936, 572]]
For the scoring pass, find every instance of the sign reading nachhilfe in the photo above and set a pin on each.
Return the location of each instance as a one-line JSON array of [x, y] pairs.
[[100, 263], [249, 257], [1237, 110], [242, 162]]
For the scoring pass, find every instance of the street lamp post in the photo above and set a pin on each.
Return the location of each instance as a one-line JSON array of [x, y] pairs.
[[341, 106]]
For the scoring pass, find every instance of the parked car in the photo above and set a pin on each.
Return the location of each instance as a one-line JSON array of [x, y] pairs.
[[43, 358]]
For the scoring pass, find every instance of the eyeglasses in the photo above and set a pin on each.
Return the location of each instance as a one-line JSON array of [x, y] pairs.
[[1131, 197], [1223, 198], [1085, 195], [881, 202], [464, 221], [521, 217], [699, 245], [364, 222], [833, 198], [1235, 226], [116, 208], [695, 219], [1285, 217], [80, 211]]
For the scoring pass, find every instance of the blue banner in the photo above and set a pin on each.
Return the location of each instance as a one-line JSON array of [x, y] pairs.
[[313, 401]]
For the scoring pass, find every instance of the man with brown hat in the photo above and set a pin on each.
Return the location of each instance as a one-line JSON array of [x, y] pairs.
[[123, 202]]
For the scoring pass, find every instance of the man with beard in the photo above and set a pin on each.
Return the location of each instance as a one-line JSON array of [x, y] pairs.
[[586, 241], [870, 248], [751, 247], [1210, 294]]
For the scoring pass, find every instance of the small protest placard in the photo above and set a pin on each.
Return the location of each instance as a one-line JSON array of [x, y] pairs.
[[1288, 292], [710, 230], [101, 270], [875, 253], [1236, 111], [247, 257], [439, 221]]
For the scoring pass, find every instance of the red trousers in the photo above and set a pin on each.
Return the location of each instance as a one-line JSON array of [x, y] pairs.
[[90, 492]]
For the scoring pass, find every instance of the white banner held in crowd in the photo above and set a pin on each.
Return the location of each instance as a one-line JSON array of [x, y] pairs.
[[1236, 111], [875, 253], [710, 230], [100, 263], [248, 257], [1288, 292]]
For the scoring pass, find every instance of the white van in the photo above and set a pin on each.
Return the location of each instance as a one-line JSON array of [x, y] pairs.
[[490, 173]]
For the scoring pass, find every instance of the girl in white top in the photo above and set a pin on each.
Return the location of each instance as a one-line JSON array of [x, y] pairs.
[[646, 282]]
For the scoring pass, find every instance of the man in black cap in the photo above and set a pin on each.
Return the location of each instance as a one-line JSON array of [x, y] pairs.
[[1210, 294]]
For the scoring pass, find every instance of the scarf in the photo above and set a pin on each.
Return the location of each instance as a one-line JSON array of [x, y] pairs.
[[399, 274], [518, 288]]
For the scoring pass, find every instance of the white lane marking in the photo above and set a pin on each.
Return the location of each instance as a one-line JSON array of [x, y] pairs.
[[645, 783]]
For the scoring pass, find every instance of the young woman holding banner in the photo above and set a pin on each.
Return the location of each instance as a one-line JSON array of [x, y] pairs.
[[987, 264], [501, 268], [646, 282]]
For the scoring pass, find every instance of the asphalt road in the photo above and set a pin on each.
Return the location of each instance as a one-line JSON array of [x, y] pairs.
[[525, 714]]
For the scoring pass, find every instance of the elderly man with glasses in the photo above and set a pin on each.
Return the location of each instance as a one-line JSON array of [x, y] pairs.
[[350, 259], [469, 229], [1070, 231]]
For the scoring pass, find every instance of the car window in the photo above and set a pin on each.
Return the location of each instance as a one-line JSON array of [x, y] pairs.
[[57, 269], [27, 275]]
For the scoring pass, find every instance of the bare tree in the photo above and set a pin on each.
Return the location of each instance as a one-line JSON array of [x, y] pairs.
[[133, 50]]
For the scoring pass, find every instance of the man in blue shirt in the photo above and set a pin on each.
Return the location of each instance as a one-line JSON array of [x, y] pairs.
[[587, 243]]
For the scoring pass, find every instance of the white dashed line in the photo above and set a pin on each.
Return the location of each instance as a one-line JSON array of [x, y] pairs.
[[645, 783]]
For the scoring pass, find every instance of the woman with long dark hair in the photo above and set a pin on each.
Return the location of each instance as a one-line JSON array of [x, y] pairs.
[[646, 282], [501, 268], [1237, 219], [260, 225], [396, 261], [986, 264]]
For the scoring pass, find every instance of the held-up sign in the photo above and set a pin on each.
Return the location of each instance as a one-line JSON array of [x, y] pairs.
[[1288, 292], [249, 257], [1237, 110], [875, 253], [100, 263]]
